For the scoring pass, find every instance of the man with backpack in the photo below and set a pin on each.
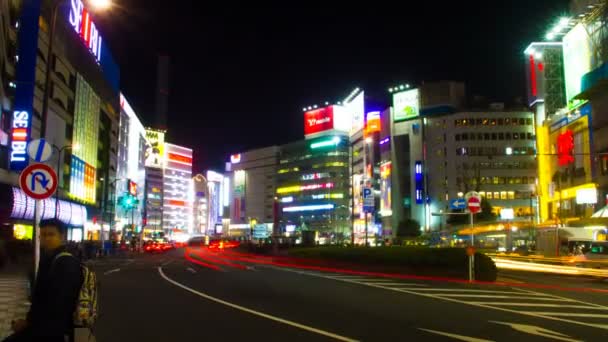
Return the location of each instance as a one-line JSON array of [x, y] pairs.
[[56, 291]]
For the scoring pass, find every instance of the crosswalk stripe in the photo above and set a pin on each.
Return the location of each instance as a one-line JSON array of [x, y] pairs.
[[500, 297], [569, 314], [544, 305], [469, 290]]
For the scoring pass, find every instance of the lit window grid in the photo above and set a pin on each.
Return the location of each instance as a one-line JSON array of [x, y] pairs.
[[86, 122]]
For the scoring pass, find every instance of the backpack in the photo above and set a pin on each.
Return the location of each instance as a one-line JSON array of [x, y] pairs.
[[86, 313]]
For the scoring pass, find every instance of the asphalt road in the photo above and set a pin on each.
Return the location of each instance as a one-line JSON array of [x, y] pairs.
[[214, 296]]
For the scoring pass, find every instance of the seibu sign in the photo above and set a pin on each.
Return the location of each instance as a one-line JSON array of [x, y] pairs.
[[319, 120], [20, 133], [80, 19]]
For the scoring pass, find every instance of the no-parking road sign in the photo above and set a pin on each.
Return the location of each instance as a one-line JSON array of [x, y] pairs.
[[38, 181]]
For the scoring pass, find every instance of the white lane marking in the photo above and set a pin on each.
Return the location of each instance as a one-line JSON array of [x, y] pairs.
[[355, 279], [191, 270], [111, 271], [500, 297], [541, 305], [167, 263], [538, 331], [456, 337], [571, 314], [419, 292], [393, 284], [256, 313], [465, 290], [564, 298]]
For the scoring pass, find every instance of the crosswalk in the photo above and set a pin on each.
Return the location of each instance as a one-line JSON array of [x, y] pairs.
[[511, 299]]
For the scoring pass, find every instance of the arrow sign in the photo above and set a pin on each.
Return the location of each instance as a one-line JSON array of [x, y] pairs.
[[38, 181], [459, 203], [39, 150]]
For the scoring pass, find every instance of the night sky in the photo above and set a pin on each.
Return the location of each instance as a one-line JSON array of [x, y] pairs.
[[241, 73]]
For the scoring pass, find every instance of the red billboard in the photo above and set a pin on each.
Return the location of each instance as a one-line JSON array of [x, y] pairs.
[[318, 120]]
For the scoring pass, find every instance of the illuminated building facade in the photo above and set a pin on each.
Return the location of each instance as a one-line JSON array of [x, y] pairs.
[[571, 132], [132, 146], [83, 104], [154, 161], [313, 187], [217, 189], [177, 188], [200, 205], [253, 175]]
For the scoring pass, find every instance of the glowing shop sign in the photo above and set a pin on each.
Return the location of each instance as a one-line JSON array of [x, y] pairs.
[[332, 142], [20, 132], [235, 158], [298, 188], [565, 148], [308, 208], [80, 19]]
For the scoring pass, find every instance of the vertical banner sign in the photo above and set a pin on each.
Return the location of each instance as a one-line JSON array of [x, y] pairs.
[[21, 127]]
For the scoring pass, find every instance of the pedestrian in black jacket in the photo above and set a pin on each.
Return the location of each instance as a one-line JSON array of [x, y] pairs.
[[55, 293]]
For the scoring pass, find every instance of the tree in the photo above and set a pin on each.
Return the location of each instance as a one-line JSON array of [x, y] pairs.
[[408, 228], [486, 213]]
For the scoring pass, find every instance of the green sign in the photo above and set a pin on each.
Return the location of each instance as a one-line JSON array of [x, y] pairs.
[[406, 105]]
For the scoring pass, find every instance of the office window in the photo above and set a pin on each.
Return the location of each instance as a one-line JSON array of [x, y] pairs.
[[507, 121], [486, 136], [444, 136], [501, 136], [472, 151], [479, 136], [445, 151], [472, 136], [515, 136], [529, 121], [496, 195], [501, 122], [532, 180], [489, 195], [503, 195], [479, 122], [485, 121], [471, 122], [495, 180], [522, 121], [465, 122], [492, 122], [459, 151], [464, 136], [494, 136], [511, 195], [514, 121], [482, 194], [458, 122], [507, 136], [457, 137], [530, 136]]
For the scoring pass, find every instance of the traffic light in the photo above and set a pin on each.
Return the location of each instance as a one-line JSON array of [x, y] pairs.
[[128, 201]]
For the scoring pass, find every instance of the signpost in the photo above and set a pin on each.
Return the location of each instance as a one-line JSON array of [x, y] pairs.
[[368, 206], [474, 206], [38, 181]]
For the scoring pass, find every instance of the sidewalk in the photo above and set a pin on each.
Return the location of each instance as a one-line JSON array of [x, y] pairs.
[[13, 300]]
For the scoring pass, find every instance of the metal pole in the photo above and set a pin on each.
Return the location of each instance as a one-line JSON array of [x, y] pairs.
[[58, 182], [103, 213], [36, 235], [47, 78], [472, 256], [366, 240], [352, 197]]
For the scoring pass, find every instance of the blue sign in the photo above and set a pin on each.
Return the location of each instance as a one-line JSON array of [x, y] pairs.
[[459, 203], [368, 200], [27, 49]]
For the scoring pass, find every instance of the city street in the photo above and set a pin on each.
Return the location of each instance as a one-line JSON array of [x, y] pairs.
[[169, 297]]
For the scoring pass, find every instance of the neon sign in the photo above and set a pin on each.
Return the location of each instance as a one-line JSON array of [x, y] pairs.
[[565, 148], [132, 188], [235, 158], [20, 132], [80, 19]]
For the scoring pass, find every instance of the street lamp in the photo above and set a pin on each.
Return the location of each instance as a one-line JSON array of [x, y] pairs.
[[98, 4]]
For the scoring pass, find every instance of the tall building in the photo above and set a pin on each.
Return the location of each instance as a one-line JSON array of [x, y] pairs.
[[253, 190], [177, 189], [440, 151], [200, 205], [83, 109], [216, 201], [131, 172], [154, 184], [313, 187]]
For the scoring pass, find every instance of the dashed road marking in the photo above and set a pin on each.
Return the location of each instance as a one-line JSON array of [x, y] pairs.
[[456, 337], [111, 271], [191, 270]]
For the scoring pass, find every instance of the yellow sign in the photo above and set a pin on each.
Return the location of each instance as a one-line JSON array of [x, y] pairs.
[[155, 152], [23, 232]]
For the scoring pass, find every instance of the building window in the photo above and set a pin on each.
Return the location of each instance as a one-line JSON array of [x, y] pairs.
[[471, 122], [457, 137], [515, 136], [501, 122], [496, 195], [494, 136], [486, 136], [472, 136], [530, 136], [501, 136], [489, 195], [464, 122], [492, 122], [465, 136], [479, 136], [503, 195], [458, 122], [485, 121], [507, 136], [511, 195], [479, 122], [507, 121]]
